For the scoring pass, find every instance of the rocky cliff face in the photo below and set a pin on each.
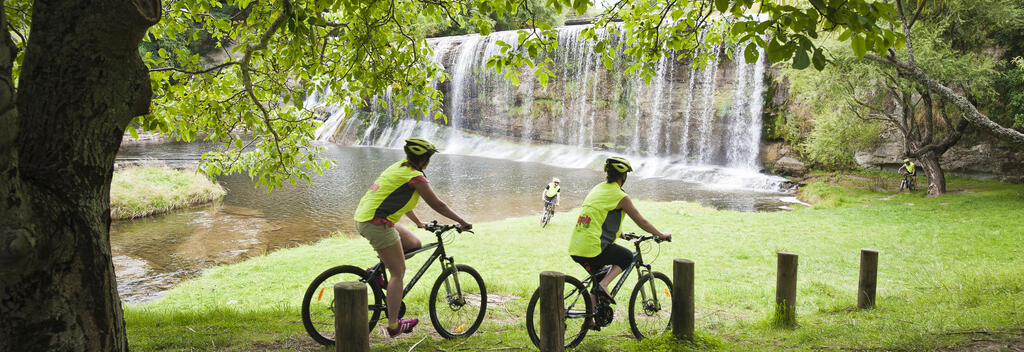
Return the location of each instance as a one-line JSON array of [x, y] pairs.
[[978, 158]]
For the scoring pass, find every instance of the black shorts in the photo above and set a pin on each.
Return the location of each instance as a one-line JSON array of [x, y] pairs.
[[549, 200], [612, 255]]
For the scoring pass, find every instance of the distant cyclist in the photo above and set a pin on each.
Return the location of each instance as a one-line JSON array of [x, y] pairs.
[[396, 192], [592, 243], [908, 169], [551, 194]]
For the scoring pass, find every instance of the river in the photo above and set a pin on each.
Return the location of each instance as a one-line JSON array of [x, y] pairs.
[[153, 254]]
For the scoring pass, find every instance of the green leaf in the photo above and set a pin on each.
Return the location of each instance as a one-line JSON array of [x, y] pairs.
[[818, 59], [845, 35], [751, 53], [133, 132], [722, 5], [800, 60], [858, 46], [542, 77]]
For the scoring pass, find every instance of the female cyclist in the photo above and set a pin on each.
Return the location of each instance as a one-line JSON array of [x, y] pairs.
[[593, 239], [396, 192]]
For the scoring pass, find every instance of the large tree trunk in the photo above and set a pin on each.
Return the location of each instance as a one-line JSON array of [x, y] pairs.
[[936, 178], [81, 84]]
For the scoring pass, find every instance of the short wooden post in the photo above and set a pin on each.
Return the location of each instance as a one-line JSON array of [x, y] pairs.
[[868, 278], [682, 299], [351, 322], [785, 289], [552, 311]]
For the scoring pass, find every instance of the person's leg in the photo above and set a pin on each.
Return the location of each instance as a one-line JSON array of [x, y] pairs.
[[408, 239], [619, 258], [394, 260]]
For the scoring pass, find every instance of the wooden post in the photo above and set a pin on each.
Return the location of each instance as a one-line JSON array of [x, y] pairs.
[[868, 278], [552, 311], [351, 321], [785, 289], [682, 299]]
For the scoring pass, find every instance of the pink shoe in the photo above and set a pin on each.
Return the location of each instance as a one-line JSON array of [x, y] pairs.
[[404, 326]]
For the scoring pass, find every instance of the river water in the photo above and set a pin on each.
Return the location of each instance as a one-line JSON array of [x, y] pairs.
[[152, 254]]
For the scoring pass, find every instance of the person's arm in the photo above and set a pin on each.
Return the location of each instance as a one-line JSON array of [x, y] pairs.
[[435, 203], [415, 220], [627, 206]]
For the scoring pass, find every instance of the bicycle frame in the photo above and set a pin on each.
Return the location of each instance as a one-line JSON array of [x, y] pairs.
[[446, 262], [638, 263]]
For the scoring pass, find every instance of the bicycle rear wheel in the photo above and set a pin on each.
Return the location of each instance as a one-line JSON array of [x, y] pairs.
[[318, 302], [650, 306], [578, 312], [458, 302]]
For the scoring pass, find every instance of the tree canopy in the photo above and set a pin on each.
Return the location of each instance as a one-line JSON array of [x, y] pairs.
[[349, 51]]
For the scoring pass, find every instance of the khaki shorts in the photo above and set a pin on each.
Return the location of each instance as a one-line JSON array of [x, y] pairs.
[[380, 236]]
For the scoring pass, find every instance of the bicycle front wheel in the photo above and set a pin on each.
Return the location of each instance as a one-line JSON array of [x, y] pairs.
[[650, 306], [318, 302], [458, 302], [579, 311]]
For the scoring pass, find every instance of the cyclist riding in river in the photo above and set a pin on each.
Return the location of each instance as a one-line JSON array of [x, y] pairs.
[[592, 243], [396, 192], [551, 194]]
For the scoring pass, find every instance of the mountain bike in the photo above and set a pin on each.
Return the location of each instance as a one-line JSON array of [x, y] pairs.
[[458, 299], [907, 183], [650, 303], [549, 211]]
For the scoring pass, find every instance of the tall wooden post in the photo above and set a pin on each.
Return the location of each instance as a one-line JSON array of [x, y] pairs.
[[351, 321], [785, 289], [868, 278], [552, 311], [682, 299]]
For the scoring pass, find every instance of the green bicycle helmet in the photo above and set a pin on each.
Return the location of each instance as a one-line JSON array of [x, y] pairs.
[[906, 160], [619, 163], [419, 146]]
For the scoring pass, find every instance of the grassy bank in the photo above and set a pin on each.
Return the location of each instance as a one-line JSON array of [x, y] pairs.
[[949, 268], [143, 191]]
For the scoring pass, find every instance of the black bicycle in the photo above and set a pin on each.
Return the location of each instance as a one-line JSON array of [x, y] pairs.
[[458, 300], [907, 183], [549, 211], [650, 304]]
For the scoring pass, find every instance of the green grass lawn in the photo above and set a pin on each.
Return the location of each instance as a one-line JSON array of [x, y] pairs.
[[143, 191], [948, 267]]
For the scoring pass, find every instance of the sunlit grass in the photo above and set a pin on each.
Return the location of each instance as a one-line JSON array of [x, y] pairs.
[[946, 265], [143, 191]]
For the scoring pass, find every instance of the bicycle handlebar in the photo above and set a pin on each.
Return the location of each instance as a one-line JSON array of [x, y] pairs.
[[630, 236], [436, 228]]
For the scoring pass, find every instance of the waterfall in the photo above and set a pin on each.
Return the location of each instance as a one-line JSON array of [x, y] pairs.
[[705, 129]]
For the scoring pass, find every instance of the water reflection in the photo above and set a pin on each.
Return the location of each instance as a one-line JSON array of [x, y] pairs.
[[154, 253]]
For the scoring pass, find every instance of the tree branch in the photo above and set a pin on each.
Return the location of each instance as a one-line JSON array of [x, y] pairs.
[[970, 112]]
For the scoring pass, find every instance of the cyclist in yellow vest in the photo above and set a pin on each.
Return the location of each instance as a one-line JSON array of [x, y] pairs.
[[551, 194], [908, 168], [395, 193], [593, 239]]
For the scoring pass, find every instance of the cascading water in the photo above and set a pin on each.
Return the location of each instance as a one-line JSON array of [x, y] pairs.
[[704, 129]]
